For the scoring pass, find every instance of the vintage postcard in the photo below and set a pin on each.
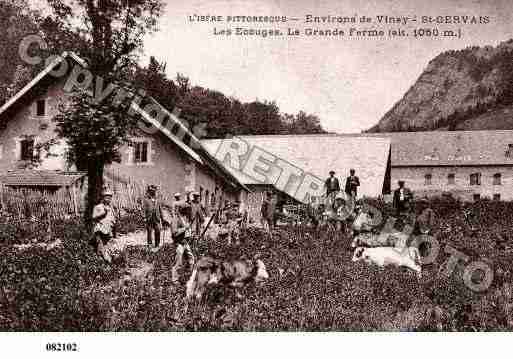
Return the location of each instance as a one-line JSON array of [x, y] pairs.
[[255, 166]]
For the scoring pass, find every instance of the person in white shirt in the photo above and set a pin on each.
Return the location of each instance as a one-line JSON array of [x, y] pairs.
[[182, 237], [104, 225]]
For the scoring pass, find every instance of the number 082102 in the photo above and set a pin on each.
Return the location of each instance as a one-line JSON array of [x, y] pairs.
[[61, 347]]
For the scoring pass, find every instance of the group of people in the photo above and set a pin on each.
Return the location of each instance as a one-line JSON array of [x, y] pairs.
[[332, 208], [338, 206], [186, 220]]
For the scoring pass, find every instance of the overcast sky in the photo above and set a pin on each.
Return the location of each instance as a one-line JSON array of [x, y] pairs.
[[348, 83]]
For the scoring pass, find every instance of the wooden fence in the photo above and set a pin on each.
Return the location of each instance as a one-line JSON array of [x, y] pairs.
[[65, 203], [26, 204]]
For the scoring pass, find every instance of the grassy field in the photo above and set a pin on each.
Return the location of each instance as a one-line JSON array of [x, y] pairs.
[[321, 289]]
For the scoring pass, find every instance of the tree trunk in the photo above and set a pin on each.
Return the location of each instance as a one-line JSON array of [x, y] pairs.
[[94, 188]]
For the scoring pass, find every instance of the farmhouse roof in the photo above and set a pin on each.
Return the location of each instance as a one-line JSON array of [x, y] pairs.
[[451, 148], [318, 154], [45, 72], [41, 178], [188, 143]]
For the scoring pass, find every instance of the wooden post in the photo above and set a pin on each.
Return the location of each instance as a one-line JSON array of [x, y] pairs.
[[74, 199], [2, 206]]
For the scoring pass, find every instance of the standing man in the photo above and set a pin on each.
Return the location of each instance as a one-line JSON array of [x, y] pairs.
[[104, 225], [332, 188], [352, 184], [182, 236], [311, 212], [267, 212], [198, 213], [402, 199], [153, 216]]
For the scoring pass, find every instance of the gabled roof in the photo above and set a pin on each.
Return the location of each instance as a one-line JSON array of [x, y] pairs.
[[45, 72], [450, 148], [200, 154], [318, 154], [37, 178]]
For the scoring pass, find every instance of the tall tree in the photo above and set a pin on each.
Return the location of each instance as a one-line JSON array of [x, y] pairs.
[[154, 80], [114, 32]]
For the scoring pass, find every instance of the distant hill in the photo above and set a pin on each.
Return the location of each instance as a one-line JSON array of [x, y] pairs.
[[470, 89]]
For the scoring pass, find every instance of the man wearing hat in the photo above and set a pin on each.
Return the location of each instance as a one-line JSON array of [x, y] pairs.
[[352, 184], [198, 213], [153, 216], [182, 235], [332, 187], [402, 199], [104, 225]]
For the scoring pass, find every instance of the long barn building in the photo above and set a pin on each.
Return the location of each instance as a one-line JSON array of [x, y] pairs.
[[471, 165]]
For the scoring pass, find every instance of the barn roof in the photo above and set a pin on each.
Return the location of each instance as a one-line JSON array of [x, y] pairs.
[[451, 148], [40, 178], [318, 154]]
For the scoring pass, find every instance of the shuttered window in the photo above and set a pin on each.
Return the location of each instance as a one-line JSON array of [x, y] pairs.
[[451, 178], [497, 179], [427, 179], [475, 179], [41, 108], [27, 149], [140, 152]]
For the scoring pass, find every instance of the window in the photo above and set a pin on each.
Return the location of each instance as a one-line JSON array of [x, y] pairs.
[[451, 178], [476, 197], [27, 149], [475, 179], [497, 179], [509, 151], [427, 179], [41, 107], [140, 152], [497, 197]]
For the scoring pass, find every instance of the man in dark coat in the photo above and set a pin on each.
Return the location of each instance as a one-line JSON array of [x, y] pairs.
[[352, 184], [198, 213], [153, 214], [402, 199]]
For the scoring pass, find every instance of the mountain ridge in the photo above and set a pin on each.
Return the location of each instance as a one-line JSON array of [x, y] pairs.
[[458, 89]]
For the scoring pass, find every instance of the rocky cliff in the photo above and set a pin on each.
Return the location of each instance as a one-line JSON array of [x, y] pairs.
[[465, 89]]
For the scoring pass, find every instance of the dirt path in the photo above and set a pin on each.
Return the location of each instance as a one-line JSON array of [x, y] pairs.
[[136, 269], [137, 238]]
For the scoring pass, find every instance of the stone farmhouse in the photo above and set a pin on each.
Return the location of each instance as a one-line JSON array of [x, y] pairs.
[[470, 165]]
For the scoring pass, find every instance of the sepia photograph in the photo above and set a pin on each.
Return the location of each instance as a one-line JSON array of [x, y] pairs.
[[255, 166]]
